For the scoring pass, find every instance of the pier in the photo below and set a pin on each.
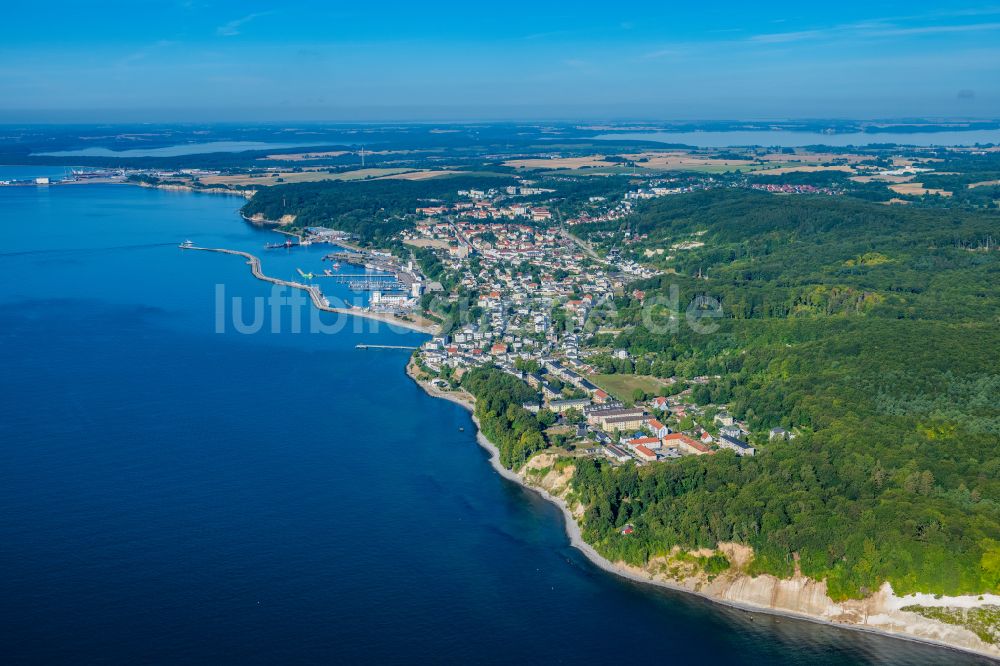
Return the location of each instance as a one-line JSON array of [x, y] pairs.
[[385, 347], [318, 300], [375, 285], [344, 277], [349, 257], [366, 281]]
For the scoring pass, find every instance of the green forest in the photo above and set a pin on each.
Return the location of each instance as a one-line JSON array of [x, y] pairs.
[[870, 330], [372, 210], [515, 431]]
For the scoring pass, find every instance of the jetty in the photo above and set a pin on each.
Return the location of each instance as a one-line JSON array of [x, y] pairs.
[[385, 347], [318, 300]]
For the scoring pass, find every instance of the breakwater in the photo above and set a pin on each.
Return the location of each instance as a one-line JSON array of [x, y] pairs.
[[315, 295]]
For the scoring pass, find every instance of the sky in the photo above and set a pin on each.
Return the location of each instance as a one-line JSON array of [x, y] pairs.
[[253, 60]]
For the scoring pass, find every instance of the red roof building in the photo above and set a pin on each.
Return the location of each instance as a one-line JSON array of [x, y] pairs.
[[644, 454], [686, 444]]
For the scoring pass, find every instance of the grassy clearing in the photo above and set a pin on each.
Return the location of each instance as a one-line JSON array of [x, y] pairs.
[[622, 386]]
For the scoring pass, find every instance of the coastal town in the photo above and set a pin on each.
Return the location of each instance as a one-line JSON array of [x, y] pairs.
[[527, 297], [517, 290], [536, 294]]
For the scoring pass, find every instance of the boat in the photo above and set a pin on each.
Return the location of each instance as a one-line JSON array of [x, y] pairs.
[[186, 244], [275, 246], [336, 265]]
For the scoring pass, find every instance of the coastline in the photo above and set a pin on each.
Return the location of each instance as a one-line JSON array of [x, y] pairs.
[[172, 187], [741, 599], [573, 531]]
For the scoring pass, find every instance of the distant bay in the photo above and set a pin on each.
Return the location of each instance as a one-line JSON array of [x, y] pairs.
[[790, 139], [17, 172], [174, 151]]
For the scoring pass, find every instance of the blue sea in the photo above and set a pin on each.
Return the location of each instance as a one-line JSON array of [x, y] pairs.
[[175, 491]]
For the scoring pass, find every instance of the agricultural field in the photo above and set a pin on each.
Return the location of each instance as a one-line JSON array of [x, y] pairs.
[[560, 162], [272, 177], [917, 189]]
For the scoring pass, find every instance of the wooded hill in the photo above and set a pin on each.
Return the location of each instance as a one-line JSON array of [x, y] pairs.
[[873, 331], [373, 210]]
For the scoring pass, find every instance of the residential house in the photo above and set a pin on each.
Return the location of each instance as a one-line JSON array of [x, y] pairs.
[[622, 422], [740, 447], [724, 418], [561, 406], [730, 431], [595, 413], [658, 428], [643, 453], [686, 445], [616, 453], [648, 442]]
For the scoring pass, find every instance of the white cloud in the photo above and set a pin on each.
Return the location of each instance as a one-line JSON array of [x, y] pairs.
[[232, 28], [783, 37], [934, 29], [868, 29]]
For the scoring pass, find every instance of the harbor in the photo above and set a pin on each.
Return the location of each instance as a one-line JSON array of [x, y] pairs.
[[315, 294], [385, 272]]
